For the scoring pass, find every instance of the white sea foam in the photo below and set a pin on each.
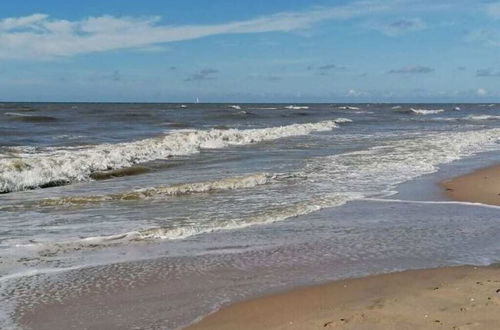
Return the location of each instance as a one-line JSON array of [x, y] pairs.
[[383, 200], [380, 168], [296, 107], [15, 114], [268, 216], [482, 117], [33, 272], [347, 108], [328, 181], [426, 111], [468, 118], [231, 183], [237, 107], [58, 166]]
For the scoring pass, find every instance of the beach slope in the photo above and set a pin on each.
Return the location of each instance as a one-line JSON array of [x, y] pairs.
[[481, 186], [463, 297]]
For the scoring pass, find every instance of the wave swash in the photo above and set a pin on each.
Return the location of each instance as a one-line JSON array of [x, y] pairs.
[[327, 182]]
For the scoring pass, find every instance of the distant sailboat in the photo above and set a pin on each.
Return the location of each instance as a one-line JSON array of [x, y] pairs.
[[197, 100]]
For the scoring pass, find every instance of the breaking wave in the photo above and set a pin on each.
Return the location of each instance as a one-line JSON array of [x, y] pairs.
[[327, 182], [426, 111], [467, 118], [379, 169], [63, 166], [30, 118], [482, 117], [232, 183], [276, 214], [297, 107], [413, 111], [348, 107]]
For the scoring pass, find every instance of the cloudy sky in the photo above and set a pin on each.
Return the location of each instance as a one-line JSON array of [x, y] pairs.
[[250, 50]]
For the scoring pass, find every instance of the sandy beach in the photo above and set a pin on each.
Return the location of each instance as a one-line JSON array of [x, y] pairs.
[[481, 186], [112, 297], [460, 297], [445, 298], [464, 297], [322, 164]]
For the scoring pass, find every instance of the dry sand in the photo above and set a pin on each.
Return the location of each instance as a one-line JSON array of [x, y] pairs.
[[446, 298], [482, 186]]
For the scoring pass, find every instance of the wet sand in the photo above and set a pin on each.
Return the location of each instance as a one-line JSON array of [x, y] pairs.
[[481, 186], [445, 298], [463, 297]]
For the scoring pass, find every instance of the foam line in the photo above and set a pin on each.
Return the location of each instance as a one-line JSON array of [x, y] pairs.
[[431, 202]]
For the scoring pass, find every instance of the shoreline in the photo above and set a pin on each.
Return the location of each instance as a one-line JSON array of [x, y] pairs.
[[461, 297], [480, 186], [380, 298], [455, 297]]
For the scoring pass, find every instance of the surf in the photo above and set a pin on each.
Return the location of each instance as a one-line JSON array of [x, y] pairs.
[[59, 166]]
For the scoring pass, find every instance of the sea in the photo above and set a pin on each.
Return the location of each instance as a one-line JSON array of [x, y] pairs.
[[241, 198]]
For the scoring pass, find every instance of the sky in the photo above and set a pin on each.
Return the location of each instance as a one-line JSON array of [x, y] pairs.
[[250, 51]]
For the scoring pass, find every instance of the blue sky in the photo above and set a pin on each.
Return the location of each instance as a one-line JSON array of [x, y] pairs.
[[250, 51]]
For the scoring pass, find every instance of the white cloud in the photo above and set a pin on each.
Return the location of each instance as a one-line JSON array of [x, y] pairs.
[[419, 69], [490, 38], [399, 27], [481, 92], [355, 93], [487, 72], [12, 23], [493, 10], [39, 36]]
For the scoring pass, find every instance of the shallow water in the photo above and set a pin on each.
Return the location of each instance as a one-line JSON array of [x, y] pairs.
[[127, 182]]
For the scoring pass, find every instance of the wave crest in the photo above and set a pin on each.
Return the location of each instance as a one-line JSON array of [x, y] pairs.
[[482, 117], [232, 183], [63, 166], [426, 111], [276, 214]]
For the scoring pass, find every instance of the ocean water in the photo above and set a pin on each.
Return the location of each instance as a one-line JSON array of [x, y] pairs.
[[98, 184]]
